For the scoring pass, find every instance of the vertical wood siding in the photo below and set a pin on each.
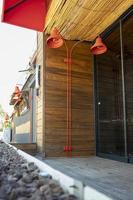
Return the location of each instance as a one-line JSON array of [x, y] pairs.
[[83, 142]]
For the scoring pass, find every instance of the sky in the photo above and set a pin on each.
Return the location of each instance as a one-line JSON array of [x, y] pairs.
[[17, 46]]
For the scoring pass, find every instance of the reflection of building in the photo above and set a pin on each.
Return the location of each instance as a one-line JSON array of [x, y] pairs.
[[100, 87], [22, 116]]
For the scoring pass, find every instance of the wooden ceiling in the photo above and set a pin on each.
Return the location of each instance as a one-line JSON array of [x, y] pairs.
[[84, 19]]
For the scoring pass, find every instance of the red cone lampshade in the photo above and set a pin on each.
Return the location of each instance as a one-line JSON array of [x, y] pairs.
[[99, 47], [17, 90], [6, 117], [16, 93], [55, 40]]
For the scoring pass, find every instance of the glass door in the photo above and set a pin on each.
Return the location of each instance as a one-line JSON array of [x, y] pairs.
[[127, 30], [114, 93], [109, 100]]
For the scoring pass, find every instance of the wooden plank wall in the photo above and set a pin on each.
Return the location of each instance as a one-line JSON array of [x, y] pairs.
[[28, 148], [83, 142], [39, 100]]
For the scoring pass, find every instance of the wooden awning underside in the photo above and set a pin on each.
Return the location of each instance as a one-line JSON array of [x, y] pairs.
[[84, 19]]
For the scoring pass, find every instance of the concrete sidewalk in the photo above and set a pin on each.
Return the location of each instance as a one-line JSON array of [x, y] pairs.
[[110, 178]]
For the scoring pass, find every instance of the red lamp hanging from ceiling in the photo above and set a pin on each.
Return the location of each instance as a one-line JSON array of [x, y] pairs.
[[6, 117], [16, 93], [55, 39], [17, 90], [25, 13], [99, 47]]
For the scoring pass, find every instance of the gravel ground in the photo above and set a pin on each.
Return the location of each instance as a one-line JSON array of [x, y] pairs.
[[20, 180]]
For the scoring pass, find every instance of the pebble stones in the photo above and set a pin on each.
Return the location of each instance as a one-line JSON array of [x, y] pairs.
[[20, 180]]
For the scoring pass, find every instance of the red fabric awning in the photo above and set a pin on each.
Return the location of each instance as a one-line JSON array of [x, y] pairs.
[[25, 13]]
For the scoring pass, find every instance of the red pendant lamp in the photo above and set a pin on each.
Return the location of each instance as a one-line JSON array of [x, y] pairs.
[[17, 90], [6, 117], [55, 40], [16, 93], [25, 13], [99, 47]]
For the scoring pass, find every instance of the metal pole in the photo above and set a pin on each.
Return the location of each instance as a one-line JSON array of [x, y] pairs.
[[123, 92], [66, 148]]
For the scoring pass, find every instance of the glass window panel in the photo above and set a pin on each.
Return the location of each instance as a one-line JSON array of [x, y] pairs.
[[127, 30], [109, 97]]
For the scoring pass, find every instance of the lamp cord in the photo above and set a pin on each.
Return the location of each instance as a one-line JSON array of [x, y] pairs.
[[68, 148]]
